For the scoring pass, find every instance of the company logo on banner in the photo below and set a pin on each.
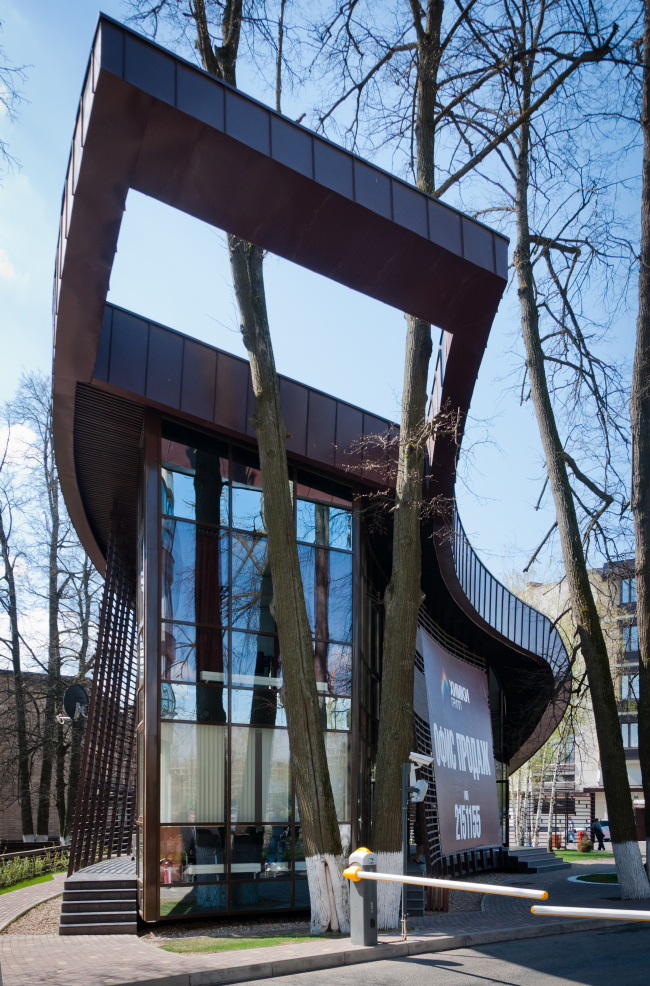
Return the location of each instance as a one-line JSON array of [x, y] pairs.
[[461, 733]]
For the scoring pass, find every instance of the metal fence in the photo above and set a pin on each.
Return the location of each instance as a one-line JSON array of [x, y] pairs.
[[502, 609]]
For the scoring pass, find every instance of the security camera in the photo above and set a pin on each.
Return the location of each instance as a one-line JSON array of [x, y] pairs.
[[420, 759]]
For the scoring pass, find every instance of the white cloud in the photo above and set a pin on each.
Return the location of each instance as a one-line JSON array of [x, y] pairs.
[[7, 270], [20, 438]]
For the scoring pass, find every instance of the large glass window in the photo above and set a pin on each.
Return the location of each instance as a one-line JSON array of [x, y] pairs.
[[628, 591], [631, 637], [230, 835], [192, 773], [630, 686]]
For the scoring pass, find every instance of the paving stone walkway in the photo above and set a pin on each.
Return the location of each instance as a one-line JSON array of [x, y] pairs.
[[125, 961], [17, 902]]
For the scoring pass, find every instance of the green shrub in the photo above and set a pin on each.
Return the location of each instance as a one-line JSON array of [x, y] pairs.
[[18, 868], [585, 845]]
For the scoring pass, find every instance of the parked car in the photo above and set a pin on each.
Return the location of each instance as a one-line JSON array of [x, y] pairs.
[[605, 827]]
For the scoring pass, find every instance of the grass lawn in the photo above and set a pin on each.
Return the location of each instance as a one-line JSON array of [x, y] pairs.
[[45, 878], [598, 878], [573, 856], [203, 944]]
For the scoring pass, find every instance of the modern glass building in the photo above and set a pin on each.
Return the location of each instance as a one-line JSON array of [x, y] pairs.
[[229, 827], [186, 752]]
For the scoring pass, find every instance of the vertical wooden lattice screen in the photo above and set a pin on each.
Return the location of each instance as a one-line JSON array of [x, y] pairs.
[[105, 808]]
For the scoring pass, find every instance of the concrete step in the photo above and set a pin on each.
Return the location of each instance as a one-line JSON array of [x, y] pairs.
[[93, 906], [548, 867], [99, 917], [92, 895], [123, 928], [80, 885]]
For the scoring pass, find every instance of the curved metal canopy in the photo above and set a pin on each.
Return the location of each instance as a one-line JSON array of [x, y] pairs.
[[151, 121]]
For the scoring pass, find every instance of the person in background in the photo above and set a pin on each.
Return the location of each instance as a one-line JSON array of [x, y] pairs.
[[571, 834], [597, 833]]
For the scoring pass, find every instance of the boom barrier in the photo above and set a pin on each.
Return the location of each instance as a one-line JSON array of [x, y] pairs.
[[363, 877], [606, 913], [355, 873]]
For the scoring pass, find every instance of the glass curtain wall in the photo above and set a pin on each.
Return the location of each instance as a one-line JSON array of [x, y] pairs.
[[230, 835]]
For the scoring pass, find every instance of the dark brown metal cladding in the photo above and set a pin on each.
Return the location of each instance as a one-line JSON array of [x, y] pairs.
[[105, 808], [150, 121]]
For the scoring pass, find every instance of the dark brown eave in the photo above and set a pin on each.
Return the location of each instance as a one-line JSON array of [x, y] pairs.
[[152, 122]]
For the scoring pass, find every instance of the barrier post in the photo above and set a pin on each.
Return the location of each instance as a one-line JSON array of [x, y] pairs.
[[363, 901]]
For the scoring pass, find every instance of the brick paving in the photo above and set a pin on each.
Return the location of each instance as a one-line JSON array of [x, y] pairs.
[[16, 902], [95, 960]]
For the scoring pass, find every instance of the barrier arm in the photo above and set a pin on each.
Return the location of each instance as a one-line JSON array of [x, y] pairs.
[[356, 873], [606, 913]]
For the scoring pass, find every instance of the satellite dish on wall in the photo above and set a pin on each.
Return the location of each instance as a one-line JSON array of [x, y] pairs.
[[75, 702]]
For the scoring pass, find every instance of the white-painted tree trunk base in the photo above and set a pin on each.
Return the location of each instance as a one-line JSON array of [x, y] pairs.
[[389, 895], [328, 894], [632, 877]]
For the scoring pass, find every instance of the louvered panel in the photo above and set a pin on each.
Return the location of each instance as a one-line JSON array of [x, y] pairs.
[[105, 808]]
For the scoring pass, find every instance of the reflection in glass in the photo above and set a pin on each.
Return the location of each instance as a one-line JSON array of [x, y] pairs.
[[198, 491], [202, 703], [336, 712], [184, 899], [192, 854], [252, 589], [194, 573], [339, 669], [259, 784], [317, 523], [261, 896], [259, 706], [255, 659], [336, 746], [248, 509], [193, 653], [261, 852], [327, 582], [192, 773]]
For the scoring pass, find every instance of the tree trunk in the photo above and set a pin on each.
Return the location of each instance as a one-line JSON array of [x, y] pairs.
[[525, 809], [320, 830], [403, 596], [640, 418], [516, 811], [551, 802], [24, 775], [309, 769], [85, 601], [631, 875], [540, 801]]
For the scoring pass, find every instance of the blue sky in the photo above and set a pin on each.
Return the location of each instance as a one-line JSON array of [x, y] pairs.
[[174, 269]]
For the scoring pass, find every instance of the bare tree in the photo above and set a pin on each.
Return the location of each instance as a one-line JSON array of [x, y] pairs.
[[81, 625], [416, 77], [320, 830], [11, 76], [528, 151], [640, 419], [9, 602], [32, 406]]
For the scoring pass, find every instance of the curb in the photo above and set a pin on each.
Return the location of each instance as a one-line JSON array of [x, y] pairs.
[[311, 963], [28, 907]]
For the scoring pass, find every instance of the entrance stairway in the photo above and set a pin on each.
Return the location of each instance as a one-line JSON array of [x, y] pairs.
[[101, 900], [527, 860]]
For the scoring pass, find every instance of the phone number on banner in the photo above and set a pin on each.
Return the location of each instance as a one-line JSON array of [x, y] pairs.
[[468, 821]]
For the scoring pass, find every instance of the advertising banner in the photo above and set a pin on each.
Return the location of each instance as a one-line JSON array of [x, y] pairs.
[[461, 737]]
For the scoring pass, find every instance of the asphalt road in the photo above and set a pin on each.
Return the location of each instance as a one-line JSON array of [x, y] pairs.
[[612, 957]]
